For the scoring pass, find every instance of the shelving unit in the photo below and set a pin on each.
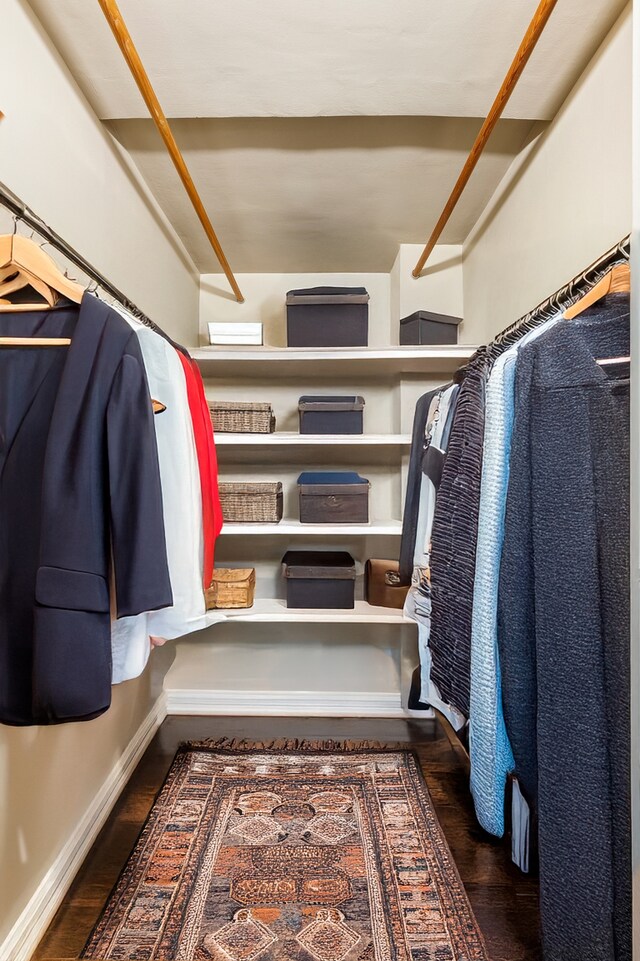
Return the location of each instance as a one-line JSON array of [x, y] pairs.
[[339, 662], [391, 380]]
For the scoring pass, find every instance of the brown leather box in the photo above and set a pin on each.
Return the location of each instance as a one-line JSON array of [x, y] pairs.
[[382, 585]]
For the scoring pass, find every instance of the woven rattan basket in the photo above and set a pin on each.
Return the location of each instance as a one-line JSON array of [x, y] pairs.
[[252, 503], [231, 588], [242, 417]]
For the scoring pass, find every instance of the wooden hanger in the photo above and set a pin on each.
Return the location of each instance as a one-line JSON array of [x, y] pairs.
[[19, 278], [617, 281], [37, 267], [24, 264]]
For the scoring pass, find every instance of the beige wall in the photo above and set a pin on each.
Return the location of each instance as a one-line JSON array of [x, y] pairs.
[[439, 288], [57, 157], [566, 200], [265, 296], [49, 777]]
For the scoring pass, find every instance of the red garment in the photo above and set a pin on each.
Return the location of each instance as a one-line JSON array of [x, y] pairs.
[[213, 457], [207, 463]]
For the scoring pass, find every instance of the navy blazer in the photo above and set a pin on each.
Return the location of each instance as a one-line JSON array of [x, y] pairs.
[[79, 485]]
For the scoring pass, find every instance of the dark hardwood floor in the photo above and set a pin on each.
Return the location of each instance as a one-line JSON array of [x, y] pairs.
[[505, 901]]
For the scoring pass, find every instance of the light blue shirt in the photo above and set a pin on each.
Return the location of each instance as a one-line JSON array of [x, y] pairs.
[[489, 748]]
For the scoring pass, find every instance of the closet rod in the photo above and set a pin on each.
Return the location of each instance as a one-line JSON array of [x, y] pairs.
[[132, 57], [23, 213], [529, 41], [576, 288], [553, 305]]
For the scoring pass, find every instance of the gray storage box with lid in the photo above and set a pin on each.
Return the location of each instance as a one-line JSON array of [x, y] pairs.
[[320, 579], [328, 317], [425, 327], [331, 414], [333, 497]]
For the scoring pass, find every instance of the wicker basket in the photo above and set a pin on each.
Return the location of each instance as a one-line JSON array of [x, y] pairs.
[[242, 417], [231, 588], [252, 503]]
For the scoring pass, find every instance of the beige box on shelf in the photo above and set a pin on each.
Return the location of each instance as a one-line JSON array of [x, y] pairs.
[[231, 588]]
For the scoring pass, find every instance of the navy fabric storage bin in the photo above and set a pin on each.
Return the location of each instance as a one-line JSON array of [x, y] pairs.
[[320, 579], [328, 317], [426, 327], [329, 414], [333, 497]]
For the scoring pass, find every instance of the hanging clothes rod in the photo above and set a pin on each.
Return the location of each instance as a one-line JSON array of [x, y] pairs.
[[552, 306], [576, 288], [526, 48], [24, 214], [130, 54]]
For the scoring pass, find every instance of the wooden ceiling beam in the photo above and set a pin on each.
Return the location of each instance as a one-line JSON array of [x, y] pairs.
[[526, 48], [130, 54]]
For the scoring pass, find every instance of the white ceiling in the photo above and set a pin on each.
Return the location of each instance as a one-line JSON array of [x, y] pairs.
[[291, 58], [322, 135]]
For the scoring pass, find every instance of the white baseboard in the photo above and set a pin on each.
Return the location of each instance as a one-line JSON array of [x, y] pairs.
[[285, 703], [37, 915]]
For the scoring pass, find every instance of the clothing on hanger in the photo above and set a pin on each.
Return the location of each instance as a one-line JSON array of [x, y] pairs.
[[563, 627], [441, 406], [418, 601], [490, 752], [207, 462], [182, 510], [412, 496], [79, 485], [455, 526]]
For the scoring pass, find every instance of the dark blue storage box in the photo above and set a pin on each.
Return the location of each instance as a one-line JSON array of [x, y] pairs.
[[328, 317], [330, 414], [320, 579], [333, 497]]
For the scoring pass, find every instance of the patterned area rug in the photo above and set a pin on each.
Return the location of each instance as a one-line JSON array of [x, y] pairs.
[[290, 851]]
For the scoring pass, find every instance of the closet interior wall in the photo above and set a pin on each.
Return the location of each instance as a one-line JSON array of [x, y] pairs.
[[57, 782]]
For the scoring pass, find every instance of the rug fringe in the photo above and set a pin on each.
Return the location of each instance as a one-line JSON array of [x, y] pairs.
[[292, 744]]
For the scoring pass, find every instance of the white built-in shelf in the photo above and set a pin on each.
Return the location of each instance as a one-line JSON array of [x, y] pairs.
[[274, 610], [288, 528], [332, 360], [293, 439]]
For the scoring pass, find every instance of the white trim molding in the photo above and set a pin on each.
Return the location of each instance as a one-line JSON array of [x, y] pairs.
[[285, 703], [38, 913]]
